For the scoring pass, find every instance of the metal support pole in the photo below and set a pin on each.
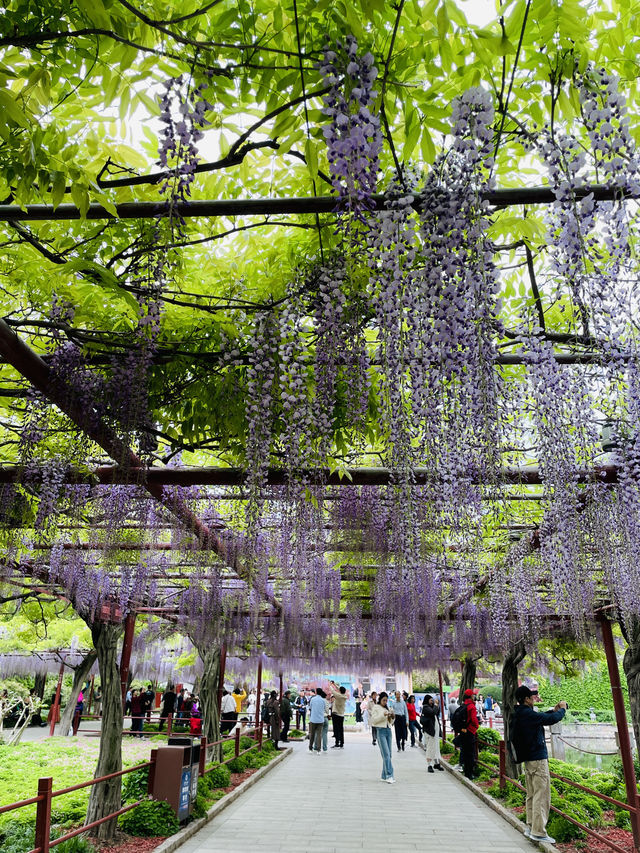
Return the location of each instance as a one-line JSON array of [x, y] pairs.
[[443, 723], [223, 665], [203, 755], [259, 694], [169, 724], [281, 687], [56, 702], [623, 731], [237, 744], [503, 764], [43, 814], [125, 657]]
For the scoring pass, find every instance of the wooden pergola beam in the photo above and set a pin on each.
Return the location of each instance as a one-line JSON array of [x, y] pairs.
[[155, 477], [499, 198], [32, 367]]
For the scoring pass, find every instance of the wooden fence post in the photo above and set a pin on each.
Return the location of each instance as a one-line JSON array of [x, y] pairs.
[[624, 740], [237, 742], [43, 814], [503, 764]]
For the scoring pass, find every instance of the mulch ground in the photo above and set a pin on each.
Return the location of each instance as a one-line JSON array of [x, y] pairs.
[[128, 844]]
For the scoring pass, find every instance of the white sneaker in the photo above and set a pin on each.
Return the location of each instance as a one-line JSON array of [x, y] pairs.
[[391, 781], [458, 767], [544, 837]]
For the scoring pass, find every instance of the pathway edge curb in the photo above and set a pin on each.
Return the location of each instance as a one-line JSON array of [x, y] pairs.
[[177, 840], [497, 807]]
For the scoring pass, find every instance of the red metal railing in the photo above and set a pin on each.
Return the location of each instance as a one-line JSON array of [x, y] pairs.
[[633, 810], [45, 795]]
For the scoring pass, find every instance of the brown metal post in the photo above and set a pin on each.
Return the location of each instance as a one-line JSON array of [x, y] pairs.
[[443, 722], [223, 665], [152, 771], [237, 753], [503, 764], [281, 687], [260, 735], [43, 814], [125, 658], [259, 694], [56, 702], [169, 724], [623, 730], [203, 755]]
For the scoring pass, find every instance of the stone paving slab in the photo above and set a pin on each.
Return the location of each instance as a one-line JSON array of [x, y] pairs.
[[336, 803]]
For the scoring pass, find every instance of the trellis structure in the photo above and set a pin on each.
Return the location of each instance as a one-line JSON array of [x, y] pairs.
[[382, 418]]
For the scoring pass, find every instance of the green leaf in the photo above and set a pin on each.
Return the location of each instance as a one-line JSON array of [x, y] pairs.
[[80, 197], [58, 186], [9, 106], [311, 155]]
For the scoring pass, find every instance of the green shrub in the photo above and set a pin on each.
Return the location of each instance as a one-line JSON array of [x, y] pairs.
[[151, 818], [623, 819], [200, 804], [447, 748], [489, 757], [562, 830], [238, 765], [134, 785], [16, 837], [489, 735], [75, 845], [219, 777], [297, 733]]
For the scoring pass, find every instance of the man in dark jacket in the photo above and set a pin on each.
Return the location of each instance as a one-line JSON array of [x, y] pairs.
[[527, 738], [285, 715]]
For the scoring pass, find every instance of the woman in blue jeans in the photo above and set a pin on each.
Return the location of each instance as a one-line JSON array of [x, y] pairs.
[[381, 720]]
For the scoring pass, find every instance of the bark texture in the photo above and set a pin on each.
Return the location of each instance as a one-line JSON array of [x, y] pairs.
[[105, 797], [509, 686], [631, 666], [39, 685], [209, 695], [79, 677], [468, 678]]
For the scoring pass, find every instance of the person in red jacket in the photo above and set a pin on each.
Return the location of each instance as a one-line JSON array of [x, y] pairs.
[[469, 748]]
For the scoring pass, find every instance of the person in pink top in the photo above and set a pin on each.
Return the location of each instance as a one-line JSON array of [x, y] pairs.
[[414, 725]]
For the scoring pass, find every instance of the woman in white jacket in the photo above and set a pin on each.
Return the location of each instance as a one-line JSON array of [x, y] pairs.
[[381, 720]]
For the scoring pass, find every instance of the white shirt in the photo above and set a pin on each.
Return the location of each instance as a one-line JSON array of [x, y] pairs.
[[228, 704]]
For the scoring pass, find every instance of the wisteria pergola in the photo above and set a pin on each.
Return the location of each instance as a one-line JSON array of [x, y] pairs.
[[320, 333]]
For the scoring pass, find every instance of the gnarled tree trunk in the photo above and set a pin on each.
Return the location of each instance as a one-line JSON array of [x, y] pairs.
[[210, 656], [39, 684], [509, 685], [105, 797], [468, 678], [631, 666], [79, 676]]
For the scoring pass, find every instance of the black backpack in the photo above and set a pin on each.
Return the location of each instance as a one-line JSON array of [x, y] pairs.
[[459, 719]]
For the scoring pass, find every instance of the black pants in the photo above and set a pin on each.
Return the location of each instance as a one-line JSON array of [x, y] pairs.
[[303, 717], [468, 754], [414, 726], [338, 729], [227, 721], [358, 713], [400, 725], [284, 734]]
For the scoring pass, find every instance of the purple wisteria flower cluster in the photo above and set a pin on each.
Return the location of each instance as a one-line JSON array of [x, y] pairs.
[[182, 112], [353, 135]]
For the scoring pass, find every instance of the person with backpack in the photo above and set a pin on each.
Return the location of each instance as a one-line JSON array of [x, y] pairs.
[[430, 720], [526, 743], [464, 723]]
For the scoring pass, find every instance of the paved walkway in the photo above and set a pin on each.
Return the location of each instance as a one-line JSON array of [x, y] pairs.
[[336, 803]]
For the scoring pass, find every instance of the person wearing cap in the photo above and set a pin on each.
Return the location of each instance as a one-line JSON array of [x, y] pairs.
[[527, 738], [469, 749]]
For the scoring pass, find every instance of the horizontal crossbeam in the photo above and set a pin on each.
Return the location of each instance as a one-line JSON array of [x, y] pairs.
[[274, 206]]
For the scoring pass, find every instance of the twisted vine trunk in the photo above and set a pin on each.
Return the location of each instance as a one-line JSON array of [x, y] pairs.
[[631, 666], [79, 677], [105, 797], [509, 686], [210, 656], [468, 678]]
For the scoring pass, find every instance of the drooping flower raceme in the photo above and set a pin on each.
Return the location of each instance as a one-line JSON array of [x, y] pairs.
[[353, 135]]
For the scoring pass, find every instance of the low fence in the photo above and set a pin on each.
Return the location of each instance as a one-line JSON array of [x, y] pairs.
[[43, 841], [501, 774]]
